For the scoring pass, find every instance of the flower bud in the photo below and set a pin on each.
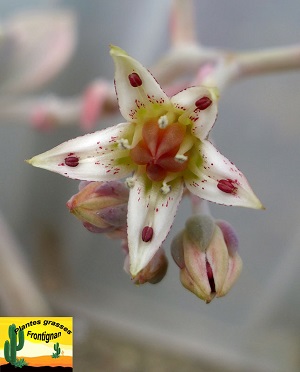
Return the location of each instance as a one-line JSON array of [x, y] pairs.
[[94, 100], [154, 272], [101, 206], [206, 253]]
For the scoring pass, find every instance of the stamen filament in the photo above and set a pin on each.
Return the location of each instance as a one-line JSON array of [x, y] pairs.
[[186, 145], [170, 177], [137, 136]]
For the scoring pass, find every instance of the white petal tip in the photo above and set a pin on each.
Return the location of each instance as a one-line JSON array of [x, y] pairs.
[[31, 161], [115, 51], [138, 261], [35, 162], [39, 161], [215, 93], [134, 270], [260, 206], [253, 202]]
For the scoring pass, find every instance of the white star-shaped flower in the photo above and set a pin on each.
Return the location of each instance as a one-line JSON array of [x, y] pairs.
[[162, 148]]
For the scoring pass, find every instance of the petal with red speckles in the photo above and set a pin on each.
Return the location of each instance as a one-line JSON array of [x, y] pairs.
[[135, 86], [93, 157], [208, 168], [149, 207], [203, 119]]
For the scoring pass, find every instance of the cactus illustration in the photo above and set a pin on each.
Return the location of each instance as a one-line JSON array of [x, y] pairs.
[[57, 350], [11, 347]]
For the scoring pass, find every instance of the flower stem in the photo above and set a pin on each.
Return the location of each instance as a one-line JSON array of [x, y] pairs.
[[268, 60], [19, 293], [182, 22]]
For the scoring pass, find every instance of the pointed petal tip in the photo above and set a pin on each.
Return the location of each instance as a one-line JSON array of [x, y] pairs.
[[248, 199], [135, 269], [251, 202], [30, 161], [138, 262], [255, 203], [34, 161], [215, 92], [116, 51]]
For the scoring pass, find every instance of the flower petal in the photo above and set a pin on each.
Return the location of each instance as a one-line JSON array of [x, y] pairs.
[[195, 263], [93, 157], [203, 291], [217, 257], [150, 216], [235, 263], [135, 86], [202, 115], [218, 180]]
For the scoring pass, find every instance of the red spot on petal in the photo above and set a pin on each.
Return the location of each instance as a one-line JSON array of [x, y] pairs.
[[227, 186], [72, 161], [135, 80], [203, 103], [147, 234]]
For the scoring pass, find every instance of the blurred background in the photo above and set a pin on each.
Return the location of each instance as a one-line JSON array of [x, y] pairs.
[[123, 327]]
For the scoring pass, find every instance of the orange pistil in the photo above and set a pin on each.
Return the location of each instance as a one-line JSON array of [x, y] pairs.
[[158, 148]]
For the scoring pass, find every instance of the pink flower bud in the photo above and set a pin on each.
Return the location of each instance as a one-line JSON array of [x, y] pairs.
[[93, 103], [154, 272], [102, 207], [206, 253]]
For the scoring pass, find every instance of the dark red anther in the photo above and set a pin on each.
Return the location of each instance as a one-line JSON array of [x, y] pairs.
[[135, 80], [227, 186], [147, 234], [203, 103], [72, 161]]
